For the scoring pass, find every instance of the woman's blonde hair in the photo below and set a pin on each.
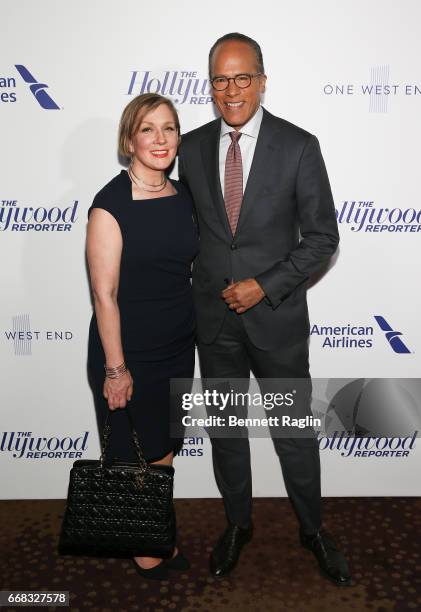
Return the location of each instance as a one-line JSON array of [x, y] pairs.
[[134, 113]]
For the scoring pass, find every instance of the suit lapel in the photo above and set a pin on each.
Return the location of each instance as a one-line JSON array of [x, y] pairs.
[[259, 166], [210, 156]]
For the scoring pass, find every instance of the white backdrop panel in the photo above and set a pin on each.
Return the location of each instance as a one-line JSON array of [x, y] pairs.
[[322, 61]]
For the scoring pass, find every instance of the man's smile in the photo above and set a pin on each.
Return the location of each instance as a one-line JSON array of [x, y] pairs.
[[234, 105]]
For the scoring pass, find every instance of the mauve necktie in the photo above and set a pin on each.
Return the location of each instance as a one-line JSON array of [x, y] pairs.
[[233, 186]]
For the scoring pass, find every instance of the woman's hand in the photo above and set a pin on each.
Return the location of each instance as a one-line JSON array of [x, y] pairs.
[[118, 391]]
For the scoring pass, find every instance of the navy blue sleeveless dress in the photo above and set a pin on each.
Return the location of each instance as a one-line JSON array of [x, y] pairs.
[[160, 241]]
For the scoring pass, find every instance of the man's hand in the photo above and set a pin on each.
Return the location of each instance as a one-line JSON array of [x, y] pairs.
[[243, 295]]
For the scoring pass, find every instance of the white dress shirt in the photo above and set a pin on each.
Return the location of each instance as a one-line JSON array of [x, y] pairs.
[[247, 143]]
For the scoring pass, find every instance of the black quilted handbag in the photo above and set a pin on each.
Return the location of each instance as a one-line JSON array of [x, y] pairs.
[[119, 509]]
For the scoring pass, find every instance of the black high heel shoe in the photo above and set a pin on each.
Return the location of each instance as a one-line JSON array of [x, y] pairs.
[[179, 562], [158, 572]]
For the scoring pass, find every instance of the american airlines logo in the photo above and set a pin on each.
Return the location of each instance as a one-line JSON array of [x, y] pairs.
[[358, 335], [37, 89], [392, 336]]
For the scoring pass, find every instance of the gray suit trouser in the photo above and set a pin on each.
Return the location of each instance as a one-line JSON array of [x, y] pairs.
[[232, 355]]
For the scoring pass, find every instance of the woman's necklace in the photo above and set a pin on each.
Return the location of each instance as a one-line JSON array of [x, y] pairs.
[[141, 183]]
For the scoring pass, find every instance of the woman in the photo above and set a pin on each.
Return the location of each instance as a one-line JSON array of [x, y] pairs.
[[141, 241]]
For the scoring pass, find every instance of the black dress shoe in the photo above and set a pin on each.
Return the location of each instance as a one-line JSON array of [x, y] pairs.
[[179, 562], [332, 563], [225, 555], [158, 572]]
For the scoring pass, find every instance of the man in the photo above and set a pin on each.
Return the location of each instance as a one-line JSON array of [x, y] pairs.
[[267, 222]]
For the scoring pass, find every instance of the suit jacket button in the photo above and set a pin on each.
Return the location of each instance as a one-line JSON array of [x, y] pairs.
[[233, 246]]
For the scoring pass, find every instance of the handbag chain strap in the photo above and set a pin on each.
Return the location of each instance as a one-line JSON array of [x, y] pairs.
[[105, 437]]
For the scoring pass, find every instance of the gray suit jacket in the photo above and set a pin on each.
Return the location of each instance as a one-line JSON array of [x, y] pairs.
[[286, 231]]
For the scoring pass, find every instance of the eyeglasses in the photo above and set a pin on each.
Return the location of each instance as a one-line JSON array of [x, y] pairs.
[[241, 80]]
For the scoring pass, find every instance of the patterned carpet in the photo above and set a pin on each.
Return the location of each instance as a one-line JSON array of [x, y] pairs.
[[381, 538]]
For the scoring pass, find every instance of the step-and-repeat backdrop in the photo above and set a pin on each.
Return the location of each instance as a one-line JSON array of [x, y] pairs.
[[348, 72]]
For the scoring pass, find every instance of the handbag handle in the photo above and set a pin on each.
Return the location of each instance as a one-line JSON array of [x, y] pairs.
[[105, 436]]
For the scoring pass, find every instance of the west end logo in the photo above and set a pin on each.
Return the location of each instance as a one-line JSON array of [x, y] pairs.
[[183, 87], [378, 90], [357, 336], [38, 89], [23, 335]]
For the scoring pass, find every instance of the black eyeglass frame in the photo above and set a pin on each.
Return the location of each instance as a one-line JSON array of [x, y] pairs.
[[228, 79]]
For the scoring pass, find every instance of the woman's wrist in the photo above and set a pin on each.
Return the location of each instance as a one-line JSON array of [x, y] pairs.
[[115, 372]]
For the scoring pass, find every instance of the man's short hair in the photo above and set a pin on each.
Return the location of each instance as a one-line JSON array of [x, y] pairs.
[[240, 38], [134, 113]]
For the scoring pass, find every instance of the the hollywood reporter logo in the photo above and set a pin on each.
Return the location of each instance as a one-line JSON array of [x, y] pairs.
[[183, 87], [16, 217], [366, 216], [371, 418], [26, 445]]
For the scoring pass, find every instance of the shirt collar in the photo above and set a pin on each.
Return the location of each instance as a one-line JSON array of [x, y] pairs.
[[251, 128]]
